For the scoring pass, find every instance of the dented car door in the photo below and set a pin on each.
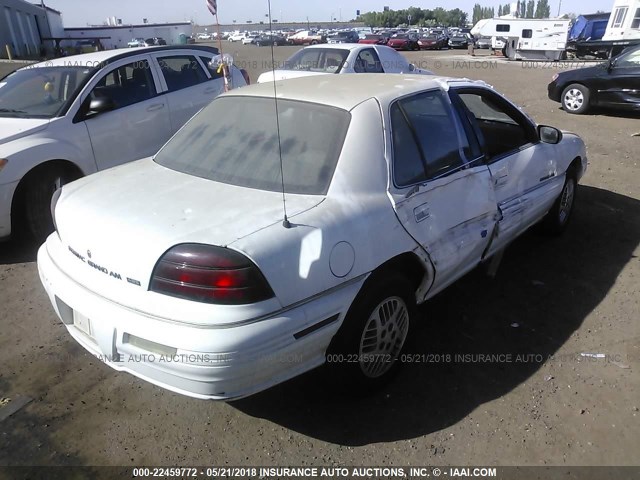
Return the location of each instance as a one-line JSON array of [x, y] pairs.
[[441, 189]]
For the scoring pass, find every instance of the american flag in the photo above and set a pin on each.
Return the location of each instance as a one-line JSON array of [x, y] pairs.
[[212, 5]]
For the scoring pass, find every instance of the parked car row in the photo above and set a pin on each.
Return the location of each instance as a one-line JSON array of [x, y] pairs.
[[149, 42]]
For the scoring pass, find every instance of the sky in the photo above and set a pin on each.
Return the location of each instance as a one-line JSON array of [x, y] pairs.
[[78, 13]]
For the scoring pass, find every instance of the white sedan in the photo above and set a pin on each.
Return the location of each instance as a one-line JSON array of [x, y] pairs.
[[70, 117], [184, 269], [342, 59]]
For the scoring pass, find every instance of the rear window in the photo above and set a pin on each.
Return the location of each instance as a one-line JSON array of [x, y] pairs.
[[235, 141]]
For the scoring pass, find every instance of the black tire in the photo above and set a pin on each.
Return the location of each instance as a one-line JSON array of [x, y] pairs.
[[365, 353], [575, 99], [35, 200], [558, 218], [314, 42]]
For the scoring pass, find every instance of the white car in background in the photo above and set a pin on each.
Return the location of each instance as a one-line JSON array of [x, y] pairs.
[[237, 37], [342, 59], [184, 270], [70, 117], [137, 42], [249, 39]]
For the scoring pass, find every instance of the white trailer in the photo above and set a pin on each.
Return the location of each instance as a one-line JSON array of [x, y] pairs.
[[526, 38], [624, 23]]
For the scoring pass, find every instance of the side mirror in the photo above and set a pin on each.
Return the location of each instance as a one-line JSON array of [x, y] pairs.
[[412, 67], [611, 64], [549, 135], [101, 105]]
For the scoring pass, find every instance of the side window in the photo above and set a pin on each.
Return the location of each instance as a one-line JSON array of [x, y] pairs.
[[619, 16], [503, 28], [527, 33], [501, 128], [631, 59], [127, 85], [636, 20], [212, 70], [430, 121], [182, 71], [408, 164], [368, 62]]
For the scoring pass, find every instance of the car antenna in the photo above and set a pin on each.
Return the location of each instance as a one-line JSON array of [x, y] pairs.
[[285, 221]]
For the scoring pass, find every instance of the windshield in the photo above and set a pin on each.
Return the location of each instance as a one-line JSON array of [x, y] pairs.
[[400, 36], [322, 60], [629, 59], [235, 141], [40, 92]]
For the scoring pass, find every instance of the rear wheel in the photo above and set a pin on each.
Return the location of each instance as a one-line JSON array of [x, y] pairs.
[[575, 99], [366, 351]]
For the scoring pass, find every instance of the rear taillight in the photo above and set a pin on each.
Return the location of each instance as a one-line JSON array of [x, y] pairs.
[[245, 74], [209, 274]]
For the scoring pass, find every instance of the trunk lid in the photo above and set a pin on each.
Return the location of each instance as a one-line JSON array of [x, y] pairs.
[[115, 225]]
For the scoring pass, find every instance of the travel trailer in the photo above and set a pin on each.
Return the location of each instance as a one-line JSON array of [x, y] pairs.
[[622, 31], [526, 38]]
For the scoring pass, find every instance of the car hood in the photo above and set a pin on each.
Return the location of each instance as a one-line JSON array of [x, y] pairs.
[[124, 219], [286, 74], [14, 128]]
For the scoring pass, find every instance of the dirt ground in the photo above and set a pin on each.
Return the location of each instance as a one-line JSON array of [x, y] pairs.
[[546, 404]]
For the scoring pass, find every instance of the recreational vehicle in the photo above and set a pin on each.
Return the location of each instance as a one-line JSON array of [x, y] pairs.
[[526, 38]]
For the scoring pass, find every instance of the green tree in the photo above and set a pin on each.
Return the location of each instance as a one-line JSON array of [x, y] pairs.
[[543, 10], [531, 5], [499, 10], [522, 9]]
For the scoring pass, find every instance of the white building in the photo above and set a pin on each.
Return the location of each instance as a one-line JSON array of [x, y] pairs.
[[117, 36]]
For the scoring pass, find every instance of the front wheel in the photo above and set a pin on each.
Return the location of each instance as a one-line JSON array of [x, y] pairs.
[[36, 196], [575, 99], [367, 348], [557, 219]]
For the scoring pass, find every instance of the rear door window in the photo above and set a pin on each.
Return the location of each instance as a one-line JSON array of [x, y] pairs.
[[433, 128], [181, 72]]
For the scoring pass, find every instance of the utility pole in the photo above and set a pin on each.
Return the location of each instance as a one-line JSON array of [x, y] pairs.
[[559, 7]]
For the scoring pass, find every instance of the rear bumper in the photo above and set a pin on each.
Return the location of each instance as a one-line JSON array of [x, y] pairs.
[[203, 362]]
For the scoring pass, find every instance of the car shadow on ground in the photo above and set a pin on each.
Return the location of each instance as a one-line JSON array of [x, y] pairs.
[[543, 291], [18, 250], [610, 112]]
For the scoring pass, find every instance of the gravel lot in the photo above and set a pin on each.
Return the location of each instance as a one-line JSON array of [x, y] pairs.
[[552, 300]]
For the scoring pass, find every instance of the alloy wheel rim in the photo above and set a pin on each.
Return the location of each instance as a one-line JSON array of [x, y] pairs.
[[574, 99], [566, 202], [383, 337]]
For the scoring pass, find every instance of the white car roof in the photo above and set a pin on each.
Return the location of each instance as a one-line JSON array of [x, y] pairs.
[[337, 46], [97, 58], [348, 91]]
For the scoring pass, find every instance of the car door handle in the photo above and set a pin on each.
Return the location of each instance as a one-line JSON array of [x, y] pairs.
[[156, 107]]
